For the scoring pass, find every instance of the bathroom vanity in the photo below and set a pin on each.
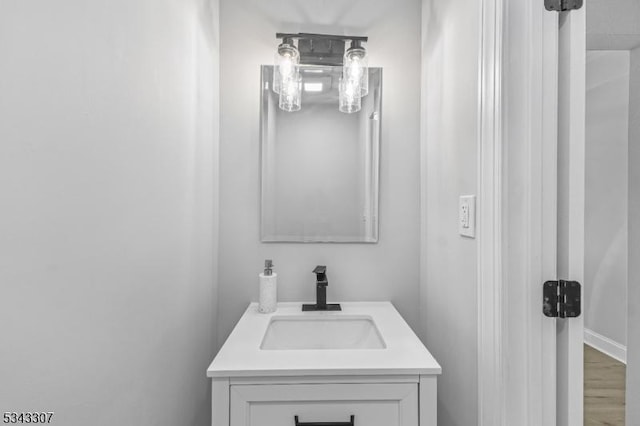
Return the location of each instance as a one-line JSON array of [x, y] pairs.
[[361, 366]]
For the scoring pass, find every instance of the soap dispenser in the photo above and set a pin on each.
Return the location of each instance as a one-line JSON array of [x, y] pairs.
[[268, 289]]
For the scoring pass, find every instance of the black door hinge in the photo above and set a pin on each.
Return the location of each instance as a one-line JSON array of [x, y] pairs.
[[561, 299], [563, 5]]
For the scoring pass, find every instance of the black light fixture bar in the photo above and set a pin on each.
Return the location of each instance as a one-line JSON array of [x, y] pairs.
[[320, 36], [320, 49]]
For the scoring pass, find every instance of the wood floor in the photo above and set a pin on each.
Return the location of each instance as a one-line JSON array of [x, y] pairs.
[[604, 389]]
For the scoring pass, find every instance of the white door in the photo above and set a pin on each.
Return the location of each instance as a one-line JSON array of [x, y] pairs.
[[571, 207]]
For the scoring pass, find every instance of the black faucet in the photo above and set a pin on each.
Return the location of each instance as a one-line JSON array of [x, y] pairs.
[[321, 293]]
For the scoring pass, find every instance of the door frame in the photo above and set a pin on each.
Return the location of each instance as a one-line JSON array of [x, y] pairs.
[[517, 187], [491, 372], [571, 209]]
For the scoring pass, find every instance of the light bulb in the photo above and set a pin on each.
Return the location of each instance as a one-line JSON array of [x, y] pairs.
[[349, 97], [286, 66], [354, 70]]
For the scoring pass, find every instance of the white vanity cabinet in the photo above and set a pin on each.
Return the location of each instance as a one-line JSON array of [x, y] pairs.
[[395, 385], [397, 401]]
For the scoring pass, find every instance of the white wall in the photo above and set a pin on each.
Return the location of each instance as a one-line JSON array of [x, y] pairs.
[[388, 270], [613, 24], [448, 296], [606, 197], [108, 182], [633, 338]]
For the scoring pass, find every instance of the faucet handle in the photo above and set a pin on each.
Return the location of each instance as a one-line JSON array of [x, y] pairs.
[[321, 275], [320, 269]]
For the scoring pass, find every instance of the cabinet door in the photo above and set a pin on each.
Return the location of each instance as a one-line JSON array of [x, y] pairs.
[[390, 404]]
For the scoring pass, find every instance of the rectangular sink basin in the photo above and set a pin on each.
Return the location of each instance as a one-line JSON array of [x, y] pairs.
[[322, 332]]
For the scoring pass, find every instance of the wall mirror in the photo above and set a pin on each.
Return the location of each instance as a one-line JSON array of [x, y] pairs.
[[320, 165]]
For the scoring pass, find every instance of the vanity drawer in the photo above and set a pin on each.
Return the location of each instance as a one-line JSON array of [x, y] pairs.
[[388, 404]]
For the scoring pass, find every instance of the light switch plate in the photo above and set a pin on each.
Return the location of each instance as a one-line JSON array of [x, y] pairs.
[[467, 216]]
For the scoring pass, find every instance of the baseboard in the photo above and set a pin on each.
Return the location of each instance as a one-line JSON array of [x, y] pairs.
[[605, 345]]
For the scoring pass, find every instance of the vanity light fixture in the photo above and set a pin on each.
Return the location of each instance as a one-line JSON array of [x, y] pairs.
[[320, 49], [286, 76], [356, 68]]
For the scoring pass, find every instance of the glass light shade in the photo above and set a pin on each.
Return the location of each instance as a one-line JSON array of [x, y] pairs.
[[356, 68], [349, 97], [287, 59], [290, 99]]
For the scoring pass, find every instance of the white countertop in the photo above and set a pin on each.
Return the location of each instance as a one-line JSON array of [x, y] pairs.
[[241, 355]]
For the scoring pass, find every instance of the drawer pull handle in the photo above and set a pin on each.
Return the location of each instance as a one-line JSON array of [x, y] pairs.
[[349, 423]]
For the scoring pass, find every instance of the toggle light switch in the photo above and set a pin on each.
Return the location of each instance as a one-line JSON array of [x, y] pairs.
[[467, 216]]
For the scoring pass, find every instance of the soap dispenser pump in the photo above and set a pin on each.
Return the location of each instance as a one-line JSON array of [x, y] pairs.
[[268, 289]]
